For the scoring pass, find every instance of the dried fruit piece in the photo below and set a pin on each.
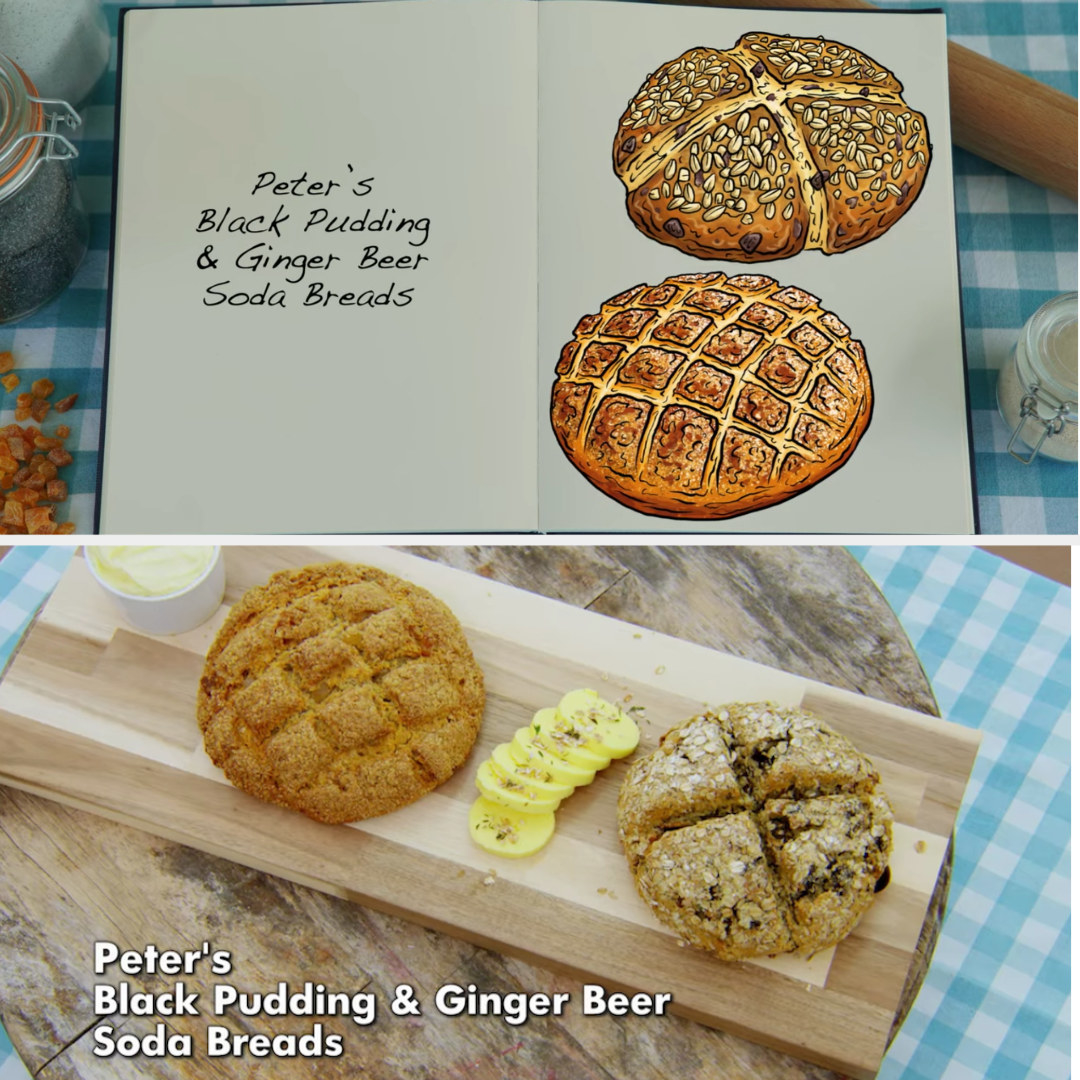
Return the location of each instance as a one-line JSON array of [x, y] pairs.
[[39, 410], [62, 406], [42, 388], [14, 513], [7, 362], [60, 457], [39, 520], [9, 382], [63, 431], [56, 490]]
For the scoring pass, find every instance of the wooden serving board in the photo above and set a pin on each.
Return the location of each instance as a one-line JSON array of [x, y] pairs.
[[100, 716]]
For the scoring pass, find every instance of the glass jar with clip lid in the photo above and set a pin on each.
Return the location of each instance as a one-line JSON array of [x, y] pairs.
[[1036, 388], [43, 228]]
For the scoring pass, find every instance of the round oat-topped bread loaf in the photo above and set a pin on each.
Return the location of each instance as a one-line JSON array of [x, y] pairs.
[[340, 691], [708, 396], [756, 830], [778, 144]]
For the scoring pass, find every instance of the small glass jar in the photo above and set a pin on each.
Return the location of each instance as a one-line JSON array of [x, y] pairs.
[[1036, 388], [43, 228]]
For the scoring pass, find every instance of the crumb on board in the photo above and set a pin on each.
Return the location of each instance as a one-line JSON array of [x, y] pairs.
[[660, 669], [920, 846], [491, 876], [638, 635]]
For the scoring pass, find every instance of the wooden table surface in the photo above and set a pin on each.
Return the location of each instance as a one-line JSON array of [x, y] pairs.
[[69, 878]]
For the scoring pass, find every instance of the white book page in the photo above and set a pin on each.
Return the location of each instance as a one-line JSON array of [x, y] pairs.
[[899, 293], [391, 384]]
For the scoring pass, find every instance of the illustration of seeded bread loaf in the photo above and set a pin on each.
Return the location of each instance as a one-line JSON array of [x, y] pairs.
[[776, 145], [756, 830], [708, 396]]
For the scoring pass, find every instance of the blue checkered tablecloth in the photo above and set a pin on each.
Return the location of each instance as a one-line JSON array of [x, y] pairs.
[[1018, 246], [994, 640]]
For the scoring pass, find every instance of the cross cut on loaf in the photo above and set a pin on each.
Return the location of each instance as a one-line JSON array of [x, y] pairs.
[[708, 396], [756, 830], [773, 146]]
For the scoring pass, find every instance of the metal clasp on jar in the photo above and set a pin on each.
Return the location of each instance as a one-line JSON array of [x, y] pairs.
[[1051, 425], [57, 147]]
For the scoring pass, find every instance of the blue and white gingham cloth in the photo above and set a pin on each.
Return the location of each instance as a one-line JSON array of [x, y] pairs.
[[1017, 243], [994, 641]]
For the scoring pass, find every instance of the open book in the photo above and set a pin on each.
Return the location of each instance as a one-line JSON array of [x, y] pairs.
[[500, 265]]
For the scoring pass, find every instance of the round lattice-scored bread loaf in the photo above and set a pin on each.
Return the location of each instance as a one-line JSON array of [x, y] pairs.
[[773, 146], [756, 830], [708, 396], [340, 691]]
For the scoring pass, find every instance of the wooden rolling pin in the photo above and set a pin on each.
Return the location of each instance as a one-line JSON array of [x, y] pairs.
[[997, 113]]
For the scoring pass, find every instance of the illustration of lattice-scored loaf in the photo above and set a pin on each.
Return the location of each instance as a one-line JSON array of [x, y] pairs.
[[773, 146], [707, 396]]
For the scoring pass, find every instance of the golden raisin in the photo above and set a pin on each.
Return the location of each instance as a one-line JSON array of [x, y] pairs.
[[39, 520], [42, 388]]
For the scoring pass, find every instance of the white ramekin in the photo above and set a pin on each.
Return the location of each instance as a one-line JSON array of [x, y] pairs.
[[173, 613]]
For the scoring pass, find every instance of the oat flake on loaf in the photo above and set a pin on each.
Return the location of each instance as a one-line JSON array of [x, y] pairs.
[[777, 145]]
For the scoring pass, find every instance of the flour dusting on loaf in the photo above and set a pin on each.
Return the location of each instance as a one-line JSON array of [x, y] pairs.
[[756, 830]]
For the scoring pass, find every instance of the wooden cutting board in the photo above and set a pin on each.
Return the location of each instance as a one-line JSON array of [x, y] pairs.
[[101, 716]]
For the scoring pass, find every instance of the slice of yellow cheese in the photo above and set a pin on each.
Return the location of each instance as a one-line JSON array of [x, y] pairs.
[[528, 748], [509, 791], [505, 832], [532, 775], [573, 741], [616, 731]]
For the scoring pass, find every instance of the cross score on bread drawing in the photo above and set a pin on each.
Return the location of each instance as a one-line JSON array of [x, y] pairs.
[[709, 396]]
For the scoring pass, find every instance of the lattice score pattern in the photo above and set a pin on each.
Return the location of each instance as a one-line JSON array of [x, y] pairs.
[[340, 691], [707, 396]]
